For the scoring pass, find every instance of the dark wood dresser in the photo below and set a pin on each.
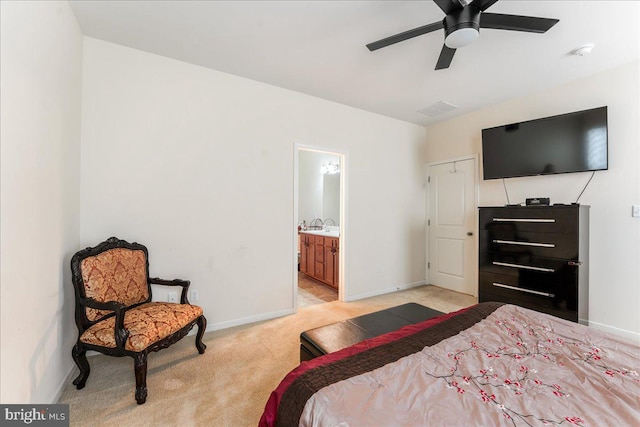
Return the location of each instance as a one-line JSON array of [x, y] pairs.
[[536, 257]]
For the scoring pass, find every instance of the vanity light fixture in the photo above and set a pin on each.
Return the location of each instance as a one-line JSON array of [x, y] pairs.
[[330, 168]]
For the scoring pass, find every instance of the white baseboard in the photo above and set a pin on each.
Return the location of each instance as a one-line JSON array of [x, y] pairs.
[[63, 384], [356, 297], [633, 336], [249, 319]]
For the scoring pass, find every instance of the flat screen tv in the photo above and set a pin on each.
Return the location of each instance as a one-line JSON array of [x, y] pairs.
[[573, 142]]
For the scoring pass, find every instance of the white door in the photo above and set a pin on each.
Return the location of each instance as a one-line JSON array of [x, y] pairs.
[[452, 262]]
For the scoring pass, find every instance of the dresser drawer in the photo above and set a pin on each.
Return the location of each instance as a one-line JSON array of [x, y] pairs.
[[550, 294], [531, 302], [524, 262], [549, 245], [530, 219], [532, 285]]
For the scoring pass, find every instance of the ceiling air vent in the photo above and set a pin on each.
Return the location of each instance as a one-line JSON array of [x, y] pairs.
[[438, 108]]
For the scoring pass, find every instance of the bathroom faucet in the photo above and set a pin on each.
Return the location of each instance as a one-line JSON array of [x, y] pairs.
[[316, 223]]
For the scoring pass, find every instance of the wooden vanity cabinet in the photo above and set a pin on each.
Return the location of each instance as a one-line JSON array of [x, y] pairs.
[[319, 257], [307, 254], [318, 272], [331, 261]]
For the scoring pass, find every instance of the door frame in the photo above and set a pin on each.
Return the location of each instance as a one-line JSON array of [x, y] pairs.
[[342, 265], [476, 200]]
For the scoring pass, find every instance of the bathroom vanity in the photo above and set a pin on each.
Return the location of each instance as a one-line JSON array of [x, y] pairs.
[[319, 256]]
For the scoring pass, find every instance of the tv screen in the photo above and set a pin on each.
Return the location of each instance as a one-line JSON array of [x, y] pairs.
[[573, 142]]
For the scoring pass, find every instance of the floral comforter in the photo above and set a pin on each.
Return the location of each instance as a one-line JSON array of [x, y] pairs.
[[512, 367]]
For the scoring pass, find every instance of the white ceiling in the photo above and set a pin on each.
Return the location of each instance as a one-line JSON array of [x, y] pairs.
[[318, 47]]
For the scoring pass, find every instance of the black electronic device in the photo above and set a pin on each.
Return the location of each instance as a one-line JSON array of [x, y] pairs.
[[538, 201], [573, 142]]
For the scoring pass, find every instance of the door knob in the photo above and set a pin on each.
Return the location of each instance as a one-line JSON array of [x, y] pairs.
[[469, 233]]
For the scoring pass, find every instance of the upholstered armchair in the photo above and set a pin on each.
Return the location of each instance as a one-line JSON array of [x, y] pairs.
[[114, 313]]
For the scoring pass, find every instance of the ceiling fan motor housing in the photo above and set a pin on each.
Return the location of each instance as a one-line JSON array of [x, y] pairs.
[[461, 26]]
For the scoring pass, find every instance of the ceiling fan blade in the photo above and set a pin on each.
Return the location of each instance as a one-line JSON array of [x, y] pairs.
[[409, 34], [445, 58], [448, 6], [529, 24], [484, 4]]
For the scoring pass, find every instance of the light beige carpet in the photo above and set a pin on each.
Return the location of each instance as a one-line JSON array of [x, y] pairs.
[[230, 383]]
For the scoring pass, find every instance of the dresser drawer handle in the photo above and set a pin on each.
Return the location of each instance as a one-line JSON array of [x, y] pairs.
[[523, 220], [515, 242], [544, 294], [526, 267]]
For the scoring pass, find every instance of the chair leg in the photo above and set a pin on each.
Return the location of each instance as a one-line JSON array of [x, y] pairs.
[[79, 354], [202, 325], [140, 368]]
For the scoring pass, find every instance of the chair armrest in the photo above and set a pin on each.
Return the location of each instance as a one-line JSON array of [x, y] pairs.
[[175, 282], [120, 333], [98, 305]]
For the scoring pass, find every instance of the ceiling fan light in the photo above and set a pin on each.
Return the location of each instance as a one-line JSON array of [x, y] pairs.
[[461, 37]]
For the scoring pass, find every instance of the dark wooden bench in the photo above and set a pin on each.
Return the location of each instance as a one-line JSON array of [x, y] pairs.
[[339, 335]]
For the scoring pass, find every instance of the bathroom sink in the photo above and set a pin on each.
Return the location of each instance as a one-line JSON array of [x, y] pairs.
[[322, 233]]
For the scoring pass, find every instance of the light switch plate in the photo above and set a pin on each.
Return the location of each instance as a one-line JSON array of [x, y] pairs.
[[635, 211]]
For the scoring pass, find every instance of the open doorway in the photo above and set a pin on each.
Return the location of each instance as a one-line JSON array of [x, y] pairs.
[[319, 221]]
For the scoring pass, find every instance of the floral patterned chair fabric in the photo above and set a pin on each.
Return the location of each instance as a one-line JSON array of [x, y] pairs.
[[147, 324], [114, 312], [115, 275]]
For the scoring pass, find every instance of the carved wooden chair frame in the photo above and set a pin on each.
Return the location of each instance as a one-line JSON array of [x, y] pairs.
[[119, 311]]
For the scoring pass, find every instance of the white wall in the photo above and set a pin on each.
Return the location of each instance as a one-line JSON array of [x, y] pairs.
[[614, 297], [199, 166], [41, 56]]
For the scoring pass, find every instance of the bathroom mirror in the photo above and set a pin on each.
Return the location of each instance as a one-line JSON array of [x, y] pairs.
[[318, 186], [331, 197]]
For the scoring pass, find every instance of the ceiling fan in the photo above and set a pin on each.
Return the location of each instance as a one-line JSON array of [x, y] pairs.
[[462, 26]]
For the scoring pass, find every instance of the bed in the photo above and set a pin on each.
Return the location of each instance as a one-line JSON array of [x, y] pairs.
[[489, 364]]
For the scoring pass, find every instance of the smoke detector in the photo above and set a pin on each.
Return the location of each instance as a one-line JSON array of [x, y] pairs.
[[582, 50]]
